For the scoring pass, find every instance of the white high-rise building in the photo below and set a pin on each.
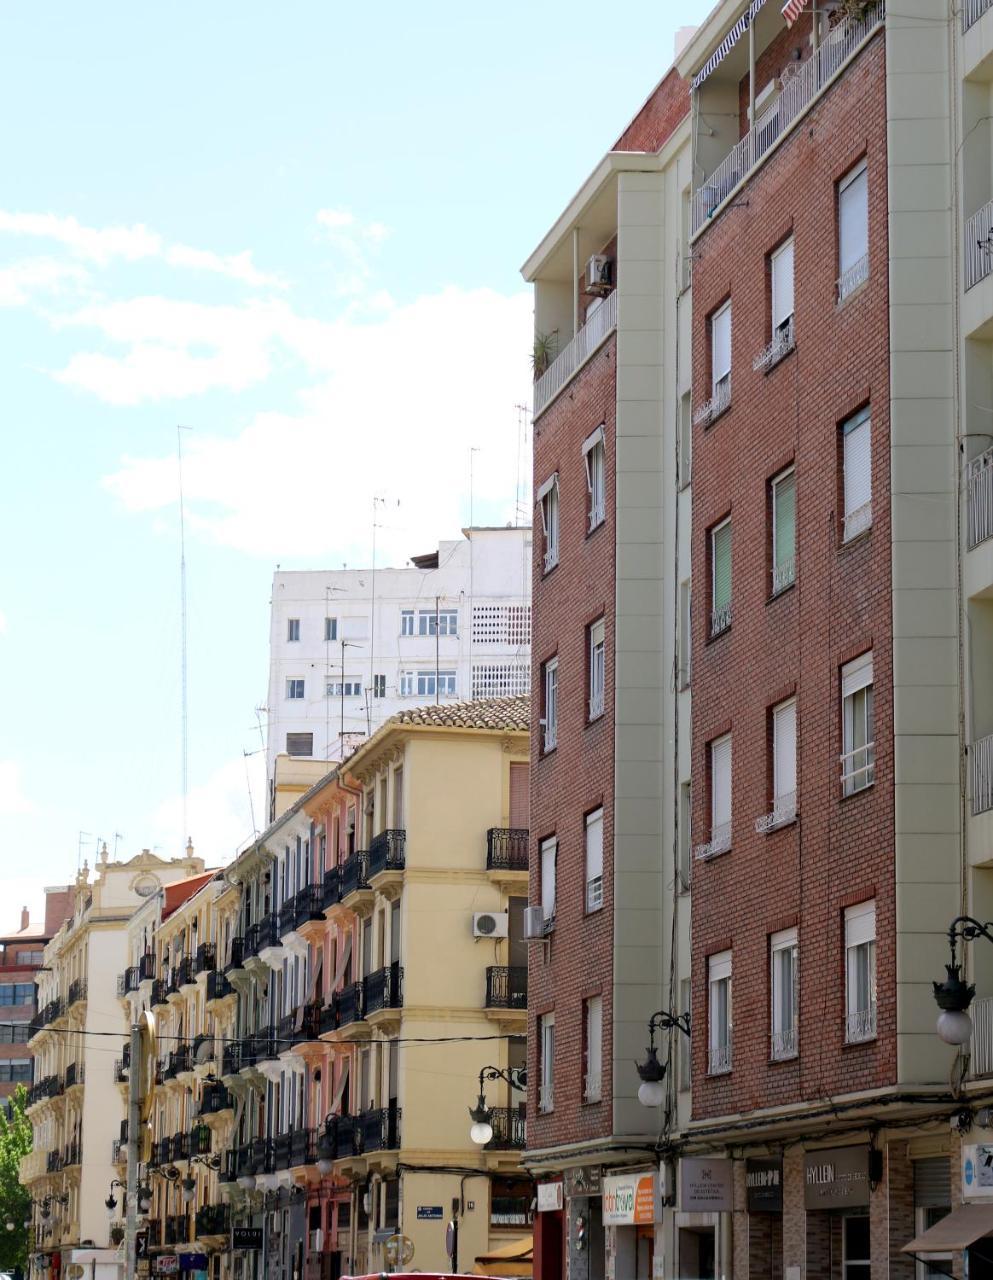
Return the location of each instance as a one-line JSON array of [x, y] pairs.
[[349, 648]]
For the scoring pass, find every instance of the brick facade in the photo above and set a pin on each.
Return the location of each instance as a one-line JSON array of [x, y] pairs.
[[840, 851], [578, 776], [667, 104]]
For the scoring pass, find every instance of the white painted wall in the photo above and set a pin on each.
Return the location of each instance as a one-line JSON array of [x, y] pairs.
[[490, 568]]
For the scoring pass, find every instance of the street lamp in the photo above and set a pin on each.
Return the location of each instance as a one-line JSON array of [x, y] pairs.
[[954, 995], [325, 1147], [481, 1129], [651, 1092]]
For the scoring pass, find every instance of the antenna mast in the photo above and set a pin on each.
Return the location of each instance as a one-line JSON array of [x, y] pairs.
[[184, 637]]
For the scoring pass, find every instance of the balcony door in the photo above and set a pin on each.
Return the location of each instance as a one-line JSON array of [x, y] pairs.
[[517, 947], [519, 795]]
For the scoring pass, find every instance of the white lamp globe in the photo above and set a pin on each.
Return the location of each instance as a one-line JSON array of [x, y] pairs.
[[651, 1093], [481, 1133], [324, 1167], [954, 1027]]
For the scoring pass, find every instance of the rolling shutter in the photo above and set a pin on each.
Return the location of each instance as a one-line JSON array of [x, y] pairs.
[[784, 745], [857, 463]]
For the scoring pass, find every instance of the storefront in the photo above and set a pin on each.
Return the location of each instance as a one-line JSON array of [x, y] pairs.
[[703, 1217], [764, 1203], [583, 1189], [631, 1208], [836, 1183], [549, 1231]]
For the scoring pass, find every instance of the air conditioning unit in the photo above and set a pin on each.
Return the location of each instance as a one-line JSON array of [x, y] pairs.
[[598, 274], [534, 924], [490, 924]]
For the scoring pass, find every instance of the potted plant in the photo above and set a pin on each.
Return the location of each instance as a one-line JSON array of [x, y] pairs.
[[542, 353]]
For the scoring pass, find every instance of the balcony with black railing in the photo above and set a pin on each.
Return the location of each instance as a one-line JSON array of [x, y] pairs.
[[383, 990], [77, 992], [146, 967], [180, 1146], [178, 1062], [507, 849], [200, 1140], [162, 1151], [287, 917], [186, 975], [72, 1154], [350, 1004], [206, 961], [354, 874], [53, 1162], [387, 852], [347, 1132], [215, 1099], [331, 888], [507, 987], [303, 1147], [218, 986], [510, 1211], [328, 1016], [213, 1220], [281, 1151], [119, 1151], [177, 1229], [231, 1059], [128, 981], [236, 954], [262, 1155], [48, 1087], [265, 1045], [159, 993], [308, 905], [509, 1128], [75, 1074], [229, 1166], [380, 1129]]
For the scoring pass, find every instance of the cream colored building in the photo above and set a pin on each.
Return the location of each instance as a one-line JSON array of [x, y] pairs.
[[75, 1106]]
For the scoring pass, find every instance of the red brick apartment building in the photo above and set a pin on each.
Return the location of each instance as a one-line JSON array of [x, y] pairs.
[[21, 955], [796, 660]]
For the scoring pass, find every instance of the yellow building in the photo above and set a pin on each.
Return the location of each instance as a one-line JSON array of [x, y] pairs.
[[75, 1106]]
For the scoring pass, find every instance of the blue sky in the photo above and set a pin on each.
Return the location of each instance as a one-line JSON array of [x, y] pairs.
[[297, 230]]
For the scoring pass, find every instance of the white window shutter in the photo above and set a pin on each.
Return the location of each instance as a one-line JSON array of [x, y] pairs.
[[594, 845], [856, 675], [784, 748], [860, 924], [853, 220], [548, 850], [720, 781], [782, 285], [720, 336], [858, 466]]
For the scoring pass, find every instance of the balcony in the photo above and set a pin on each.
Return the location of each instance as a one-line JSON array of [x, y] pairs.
[[783, 1045], [218, 986], [783, 812], [281, 1151], [860, 1025], [177, 1229], [507, 987], [231, 1060], [510, 1211], [185, 975], [77, 992], [979, 487], [331, 894], [75, 1075], [160, 993], [128, 981], [72, 1154], [807, 82], [53, 1162], [350, 1004], [303, 1147], [215, 1100], [229, 1166], [264, 1046], [179, 1146], [972, 11], [287, 917], [508, 1124], [122, 1065], [178, 1062], [354, 874], [261, 1155], [200, 1140], [49, 1087], [379, 1130], [507, 849], [119, 1151], [146, 967], [236, 956], [719, 1058], [206, 961], [308, 905], [719, 842], [261, 936], [386, 852], [345, 1136], [981, 774], [576, 353], [212, 1220]]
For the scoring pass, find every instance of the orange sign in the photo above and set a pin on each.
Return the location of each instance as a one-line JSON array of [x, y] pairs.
[[629, 1199]]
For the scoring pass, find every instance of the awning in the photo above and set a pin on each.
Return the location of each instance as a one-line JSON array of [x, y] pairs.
[[961, 1228], [513, 1259], [727, 44], [792, 10]]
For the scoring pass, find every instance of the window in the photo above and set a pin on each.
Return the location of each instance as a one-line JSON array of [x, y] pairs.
[[932, 1202], [406, 684], [594, 453], [431, 683], [406, 622], [860, 973], [720, 359], [685, 835], [12, 993], [781, 269], [594, 860], [719, 1002], [379, 686], [720, 578], [856, 462], [352, 688], [858, 756], [783, 987], [853, 231], [548, 497], [546, 1062], [292, 629], [550, 691], [720, 799], [783, 762], [597, 634], [299, 744], [506, 624], [685, 439], [856, 1263], [500, 679], [548, 852], [442, 622], [783, 531], [592, 1048], [10, 1033], [685, 641], [330, 628], [15, 1071], [294, 688]]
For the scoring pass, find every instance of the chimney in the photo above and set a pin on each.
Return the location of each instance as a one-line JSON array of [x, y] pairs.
[[25, 918]]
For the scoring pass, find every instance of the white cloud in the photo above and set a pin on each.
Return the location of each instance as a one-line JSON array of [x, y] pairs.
[[355, 242], [221, 817], [21, 281], [12, 798], [102, 245], [404, 396]]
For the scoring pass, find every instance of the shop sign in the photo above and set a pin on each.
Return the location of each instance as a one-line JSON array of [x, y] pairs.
[[764, 1185], [549, 1196], [977, 1172], [583, 1181], [430, 1213], [705, 1185], [246, 1237], [836, 1178], [166, 1264], [629, 1199], [193, 1262]]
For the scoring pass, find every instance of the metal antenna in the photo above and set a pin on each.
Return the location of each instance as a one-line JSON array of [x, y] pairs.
[[118, 835], [184, 637], [83, 836]]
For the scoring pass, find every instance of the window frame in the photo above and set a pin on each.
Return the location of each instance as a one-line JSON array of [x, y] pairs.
[[407, 623], [857, 677], [783, 572], [596, 647], [784, 954], [593, 897], [720, 371], [548, 856], [595, 462], [856, 517], [720, 613], [546, 1062], [292, 630], [293, 684], [330, 629], [719, 1048], [592, 1060], [855, 274], [782, 325], [548, 500], [550, 704], [860, 935]]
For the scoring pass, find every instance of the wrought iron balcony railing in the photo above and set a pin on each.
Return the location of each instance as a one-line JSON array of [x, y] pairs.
[[387, 852], [507, 987], [383, 989], [507, 849]]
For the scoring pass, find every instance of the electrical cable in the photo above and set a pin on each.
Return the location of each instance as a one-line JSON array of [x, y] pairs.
[[289, 1041]]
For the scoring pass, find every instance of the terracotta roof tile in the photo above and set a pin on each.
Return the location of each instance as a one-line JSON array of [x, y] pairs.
[[506, 714]]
